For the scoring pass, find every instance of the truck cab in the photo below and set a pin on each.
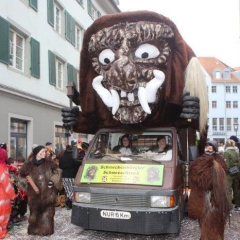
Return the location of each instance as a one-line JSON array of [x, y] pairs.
[[141, 193]]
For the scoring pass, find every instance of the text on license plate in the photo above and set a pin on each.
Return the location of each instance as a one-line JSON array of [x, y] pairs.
[[115, 214]]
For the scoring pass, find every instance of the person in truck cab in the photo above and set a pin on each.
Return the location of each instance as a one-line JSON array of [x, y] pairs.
[[162, 146], [126, 146]]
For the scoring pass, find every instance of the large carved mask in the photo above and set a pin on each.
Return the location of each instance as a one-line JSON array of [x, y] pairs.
[[130, 60]]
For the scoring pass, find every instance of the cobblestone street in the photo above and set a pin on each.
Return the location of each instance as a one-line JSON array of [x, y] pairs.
[[64, 230]]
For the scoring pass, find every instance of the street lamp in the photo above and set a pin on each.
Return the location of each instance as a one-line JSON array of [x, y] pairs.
[[235, 126]]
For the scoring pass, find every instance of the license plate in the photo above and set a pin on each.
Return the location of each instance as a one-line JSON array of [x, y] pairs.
[[115, 214]]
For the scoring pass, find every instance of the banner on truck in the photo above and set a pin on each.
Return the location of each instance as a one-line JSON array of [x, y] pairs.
[[144, 174]]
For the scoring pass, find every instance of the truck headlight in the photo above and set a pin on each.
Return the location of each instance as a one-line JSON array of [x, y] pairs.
[[162, 201], [82, 197]]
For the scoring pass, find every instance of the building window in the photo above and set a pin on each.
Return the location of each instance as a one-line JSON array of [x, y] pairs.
[[92, 11], [16, 50], [234, 89], [218, 75], [235, 120], [214, 89], [229, 124], [228, 104], [57, 22], [214, 104], [79, 37], [235, 104], [214, 124], [18, 142], [60, 139], [226, 74], [59, 74], [221, 124], [228, 89]]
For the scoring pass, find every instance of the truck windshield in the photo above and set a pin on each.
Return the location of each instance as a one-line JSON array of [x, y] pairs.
[[156, 146]]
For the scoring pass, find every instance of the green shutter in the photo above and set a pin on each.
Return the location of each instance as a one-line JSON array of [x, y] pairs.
[[34, 4], [69, 28], [52, 68], [70, 72], [35, 58], [89, 5], [50, 12], [99, 14], [4, 41], [75, 72], [73, 31]]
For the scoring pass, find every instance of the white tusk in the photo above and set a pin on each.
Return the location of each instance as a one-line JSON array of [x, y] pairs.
[[123, 94], [154, 85], [130, 97], [116, 101], [103, 93], [142, 99]]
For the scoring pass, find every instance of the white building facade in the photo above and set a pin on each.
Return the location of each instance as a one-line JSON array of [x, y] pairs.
[[224, 99], [40, 43]]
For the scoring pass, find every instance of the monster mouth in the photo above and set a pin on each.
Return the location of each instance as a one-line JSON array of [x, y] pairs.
[[134, 102]]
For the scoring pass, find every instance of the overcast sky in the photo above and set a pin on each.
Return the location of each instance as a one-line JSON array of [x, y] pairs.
[[210, 27]]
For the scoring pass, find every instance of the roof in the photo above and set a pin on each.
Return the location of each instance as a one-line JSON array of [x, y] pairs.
[[211, 64]]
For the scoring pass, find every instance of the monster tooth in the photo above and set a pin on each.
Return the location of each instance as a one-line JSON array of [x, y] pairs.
[[103, 93], [142, 99], [123, 94], [153, 85], [116, 101], [130, 97]]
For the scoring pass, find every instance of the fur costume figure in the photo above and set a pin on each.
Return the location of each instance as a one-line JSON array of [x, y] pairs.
[[208, 200], [42, 204], [134, 70]]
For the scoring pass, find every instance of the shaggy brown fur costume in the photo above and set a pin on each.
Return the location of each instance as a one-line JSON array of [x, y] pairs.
[[42, 205], [208, 199]]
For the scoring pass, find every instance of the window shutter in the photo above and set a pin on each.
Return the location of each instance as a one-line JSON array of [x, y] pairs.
[[69, 28], [4, 41], [50, 12], [89, 5], [70, 72], [73, 31], [34, 4], [35, 58], [52, 68], [75, 72], [99, 14]]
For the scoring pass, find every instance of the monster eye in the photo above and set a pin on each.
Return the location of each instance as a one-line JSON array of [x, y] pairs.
[[106, 56], [147, 51]]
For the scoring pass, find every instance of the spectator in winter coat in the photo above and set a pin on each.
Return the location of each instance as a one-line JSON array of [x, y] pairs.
[[69, 170], [6, 194], [231, 159]]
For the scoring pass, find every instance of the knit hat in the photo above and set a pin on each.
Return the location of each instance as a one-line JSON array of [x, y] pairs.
[[48, 144], [37, 149], [213, 144], [234, 138], [3, 145], [3, 156]]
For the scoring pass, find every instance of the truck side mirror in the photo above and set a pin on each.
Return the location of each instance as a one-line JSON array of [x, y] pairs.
[[193, 153]]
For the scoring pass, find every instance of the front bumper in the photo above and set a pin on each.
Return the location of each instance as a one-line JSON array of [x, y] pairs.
[[145, 221]]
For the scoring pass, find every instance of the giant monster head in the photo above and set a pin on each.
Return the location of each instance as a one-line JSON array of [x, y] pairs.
[[132, 69]]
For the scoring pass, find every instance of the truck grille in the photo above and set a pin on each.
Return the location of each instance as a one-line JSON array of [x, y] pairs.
[[120, 200]]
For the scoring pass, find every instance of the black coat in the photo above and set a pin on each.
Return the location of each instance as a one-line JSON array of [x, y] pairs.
[[68, 165]]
